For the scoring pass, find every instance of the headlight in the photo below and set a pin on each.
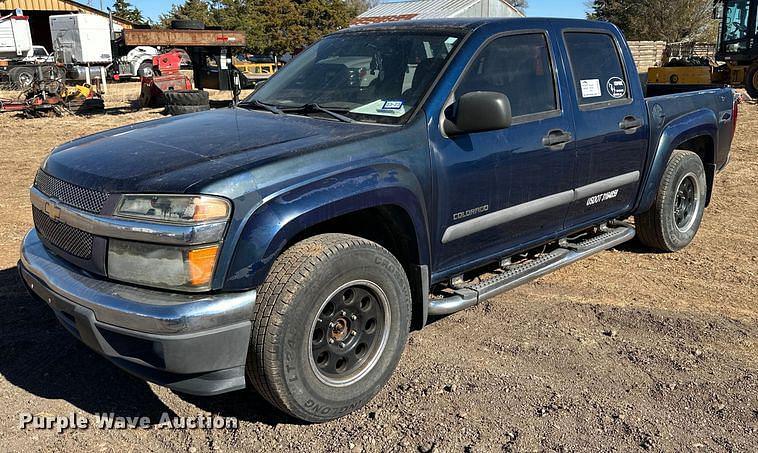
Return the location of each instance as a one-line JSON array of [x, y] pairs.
[[183, 268], [184, 209], [164, 266]]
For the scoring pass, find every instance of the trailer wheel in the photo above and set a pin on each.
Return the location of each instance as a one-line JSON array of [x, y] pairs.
[[674, 219], [183, 109], [751, 81], [21, 78], [186, 97], [181, 24], [329, 325]]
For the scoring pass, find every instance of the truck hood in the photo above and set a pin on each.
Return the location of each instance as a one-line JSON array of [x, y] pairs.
[[172, 154]]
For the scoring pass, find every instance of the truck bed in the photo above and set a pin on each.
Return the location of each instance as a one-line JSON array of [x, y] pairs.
[[713, 102]]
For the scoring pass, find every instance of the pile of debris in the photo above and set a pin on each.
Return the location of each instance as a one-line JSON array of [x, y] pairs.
[[48, 95]]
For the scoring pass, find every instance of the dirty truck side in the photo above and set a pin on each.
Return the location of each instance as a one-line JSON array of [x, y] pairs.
[[388, 174]]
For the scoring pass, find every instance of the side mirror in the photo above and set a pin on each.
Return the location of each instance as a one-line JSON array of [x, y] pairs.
[[478, 111]]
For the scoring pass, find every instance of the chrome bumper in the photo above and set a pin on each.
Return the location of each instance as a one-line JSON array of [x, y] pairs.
[[131, 307], [192, 343]]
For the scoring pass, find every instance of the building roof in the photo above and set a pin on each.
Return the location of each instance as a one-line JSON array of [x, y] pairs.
[[420, 9], [57, 5]]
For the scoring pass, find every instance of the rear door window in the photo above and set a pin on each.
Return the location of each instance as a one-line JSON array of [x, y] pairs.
[[596, 65]]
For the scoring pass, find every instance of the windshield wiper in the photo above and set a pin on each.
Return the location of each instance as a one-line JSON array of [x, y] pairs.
[[313, 107], [256, 103]]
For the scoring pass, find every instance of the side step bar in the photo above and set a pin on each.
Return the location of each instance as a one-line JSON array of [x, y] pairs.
[[520, 274]]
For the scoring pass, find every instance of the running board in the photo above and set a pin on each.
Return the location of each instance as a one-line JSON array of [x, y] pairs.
[[520, 274]]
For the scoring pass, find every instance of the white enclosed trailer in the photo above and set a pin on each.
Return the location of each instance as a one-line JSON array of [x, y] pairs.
[[82, 39]]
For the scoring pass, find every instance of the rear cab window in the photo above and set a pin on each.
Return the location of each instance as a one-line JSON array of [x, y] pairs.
[[597, 68]]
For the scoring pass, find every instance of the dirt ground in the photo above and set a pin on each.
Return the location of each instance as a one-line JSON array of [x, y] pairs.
[[628, 350]]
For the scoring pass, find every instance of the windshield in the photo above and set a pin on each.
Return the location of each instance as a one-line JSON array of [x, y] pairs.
[[377, 76], [737, 22]]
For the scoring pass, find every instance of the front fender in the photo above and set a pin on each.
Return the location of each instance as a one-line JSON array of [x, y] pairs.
[[280, 218], [702, 122]]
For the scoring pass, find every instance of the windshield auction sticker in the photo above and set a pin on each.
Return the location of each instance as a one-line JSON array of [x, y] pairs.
[[108, 421], [591, 88]]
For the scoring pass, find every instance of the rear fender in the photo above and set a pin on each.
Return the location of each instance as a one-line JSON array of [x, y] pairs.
[[280, 219], [699, 123]]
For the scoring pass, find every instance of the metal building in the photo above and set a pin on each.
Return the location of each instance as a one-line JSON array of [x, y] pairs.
[[435, 9], [39, 12]]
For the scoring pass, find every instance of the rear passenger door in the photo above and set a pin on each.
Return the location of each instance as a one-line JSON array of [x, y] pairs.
[[610, 123]]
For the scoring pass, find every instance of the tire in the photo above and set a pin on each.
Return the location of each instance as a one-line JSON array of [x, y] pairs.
[[143, 67], [22, 77], [291, 361], [183, 109], [182, 24], [751, 81], [674, 219], [186, 97]]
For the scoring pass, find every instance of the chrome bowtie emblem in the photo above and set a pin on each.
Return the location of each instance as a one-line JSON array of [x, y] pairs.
[[52, 210]]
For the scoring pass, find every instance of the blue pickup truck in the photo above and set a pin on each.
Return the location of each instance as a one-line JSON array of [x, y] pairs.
[[388, 174]]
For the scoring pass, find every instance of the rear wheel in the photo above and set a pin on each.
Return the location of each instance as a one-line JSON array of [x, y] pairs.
[[21, 78], [330, 323], [674, 219], [751, 81]]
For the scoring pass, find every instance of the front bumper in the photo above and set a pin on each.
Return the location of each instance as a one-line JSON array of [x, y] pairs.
[[193, 343]]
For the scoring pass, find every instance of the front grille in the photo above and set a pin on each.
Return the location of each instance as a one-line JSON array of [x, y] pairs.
[[70, 194], [65, 237]]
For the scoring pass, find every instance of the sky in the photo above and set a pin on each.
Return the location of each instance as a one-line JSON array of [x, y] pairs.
[[537, 8]]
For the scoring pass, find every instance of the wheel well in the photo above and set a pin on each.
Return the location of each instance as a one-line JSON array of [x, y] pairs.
[[389, 226], [704, 147]]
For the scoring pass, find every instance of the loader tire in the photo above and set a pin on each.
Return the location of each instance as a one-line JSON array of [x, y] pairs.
[[751, 81], [186, 97]]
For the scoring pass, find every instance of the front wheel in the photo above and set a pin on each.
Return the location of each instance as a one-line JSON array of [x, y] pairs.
[[329, 326], [674, 219]]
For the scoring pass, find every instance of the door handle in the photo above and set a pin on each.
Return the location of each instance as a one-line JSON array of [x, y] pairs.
[[630, 122], [557, 139]]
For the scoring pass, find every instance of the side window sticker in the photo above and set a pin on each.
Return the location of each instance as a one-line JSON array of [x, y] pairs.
[[616, 87], [591, 88]]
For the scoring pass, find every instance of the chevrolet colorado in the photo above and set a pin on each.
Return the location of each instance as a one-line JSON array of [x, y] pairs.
[[387, 174]]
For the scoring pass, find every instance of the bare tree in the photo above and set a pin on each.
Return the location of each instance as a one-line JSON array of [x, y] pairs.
[[666, 20]]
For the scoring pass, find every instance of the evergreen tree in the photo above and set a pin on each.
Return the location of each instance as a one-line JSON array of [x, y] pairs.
[[283, 26], [203, 10], [125, 10]]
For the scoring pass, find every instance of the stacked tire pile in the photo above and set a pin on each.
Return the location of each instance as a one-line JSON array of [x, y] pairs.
[[179, 102]]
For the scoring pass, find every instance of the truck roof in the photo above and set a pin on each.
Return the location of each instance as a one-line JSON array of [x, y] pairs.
[[469, 24]]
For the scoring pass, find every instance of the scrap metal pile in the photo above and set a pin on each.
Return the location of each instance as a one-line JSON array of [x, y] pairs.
[[48, 95]]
